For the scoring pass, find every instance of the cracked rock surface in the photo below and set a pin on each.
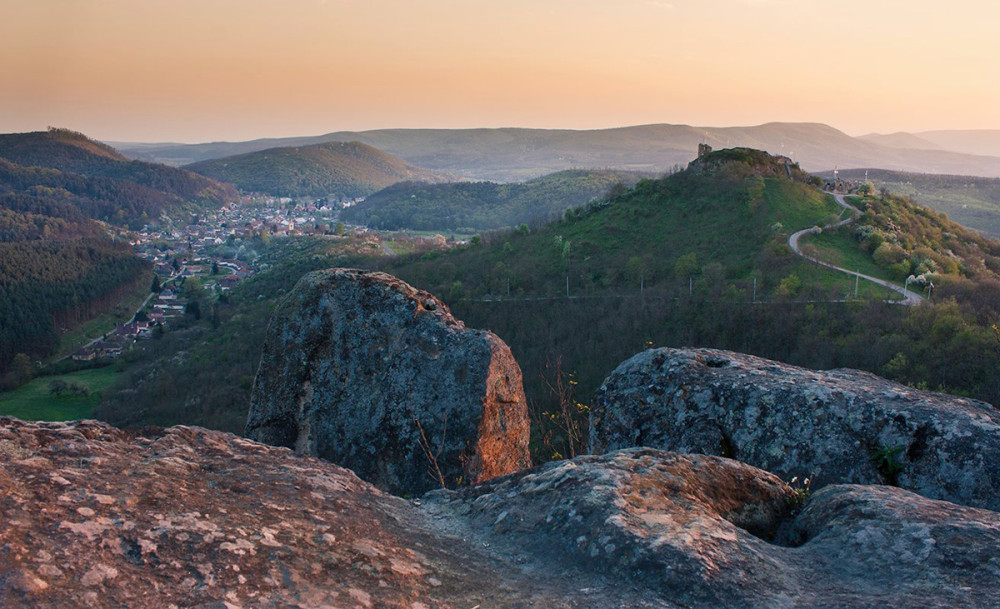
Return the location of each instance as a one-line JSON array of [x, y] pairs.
[[361, 369], [837, 426]]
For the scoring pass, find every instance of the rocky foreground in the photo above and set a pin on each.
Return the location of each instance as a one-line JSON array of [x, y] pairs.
[[184, 517], [367, 372]]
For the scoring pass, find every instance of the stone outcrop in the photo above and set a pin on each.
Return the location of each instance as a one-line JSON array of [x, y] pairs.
[[91, 516], [363, 370], [703, 531], [838, 426]]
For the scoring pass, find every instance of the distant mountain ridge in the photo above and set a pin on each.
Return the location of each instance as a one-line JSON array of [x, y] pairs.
[[342, 169], [514, 154]]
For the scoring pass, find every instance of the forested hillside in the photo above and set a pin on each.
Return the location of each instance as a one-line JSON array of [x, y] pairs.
[[107, 185], [971, 201], [716, 227], [47, 286], [482, 206], [340, 170], [58, 266]]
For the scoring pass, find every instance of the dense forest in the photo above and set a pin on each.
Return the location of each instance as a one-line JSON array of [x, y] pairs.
[[111, 187], [47, 286], [671, 262], [339, 170], [483, 206]]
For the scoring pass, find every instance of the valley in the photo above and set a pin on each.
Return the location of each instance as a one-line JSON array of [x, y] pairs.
[[698, 257]]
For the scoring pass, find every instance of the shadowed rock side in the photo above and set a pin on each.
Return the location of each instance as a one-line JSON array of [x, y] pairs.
[[91, 516], [361, 369], [838, 426]]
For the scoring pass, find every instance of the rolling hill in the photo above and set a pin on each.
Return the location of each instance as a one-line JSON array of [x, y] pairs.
[[339, 169], [518, 154], [483, 206], [96, 171]]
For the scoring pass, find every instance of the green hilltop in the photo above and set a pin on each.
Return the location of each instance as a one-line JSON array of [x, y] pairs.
[[721, 223], [337, 169]]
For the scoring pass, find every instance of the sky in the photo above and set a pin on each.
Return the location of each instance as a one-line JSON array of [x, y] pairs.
[[209, 70]]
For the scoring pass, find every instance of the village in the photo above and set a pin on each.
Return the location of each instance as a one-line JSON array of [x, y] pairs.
[[212, 253]]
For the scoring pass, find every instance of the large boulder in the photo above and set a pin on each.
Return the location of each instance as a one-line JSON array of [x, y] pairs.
[[363, 370], [704, 531], [838, 426], [92, 516]]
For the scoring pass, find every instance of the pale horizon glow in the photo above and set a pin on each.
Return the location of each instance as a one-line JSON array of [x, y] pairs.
[[210, 70]]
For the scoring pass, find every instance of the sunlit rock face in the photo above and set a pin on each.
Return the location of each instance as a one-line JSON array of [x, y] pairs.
[[363, 370], [837, 426]]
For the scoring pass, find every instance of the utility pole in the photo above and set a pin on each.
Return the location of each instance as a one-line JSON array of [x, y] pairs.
[[690, 285], [857, 279], [567, 286], [754, 290]]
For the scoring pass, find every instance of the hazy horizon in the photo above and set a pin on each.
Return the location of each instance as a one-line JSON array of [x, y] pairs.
[[191, 72]]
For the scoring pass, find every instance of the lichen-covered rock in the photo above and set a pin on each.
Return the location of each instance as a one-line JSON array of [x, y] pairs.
[[91, 516], [838, 426], [363, 370], [709, 532]]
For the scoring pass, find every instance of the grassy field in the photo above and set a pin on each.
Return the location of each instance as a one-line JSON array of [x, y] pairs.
[[123, 311], [34, 402], [843, 251]]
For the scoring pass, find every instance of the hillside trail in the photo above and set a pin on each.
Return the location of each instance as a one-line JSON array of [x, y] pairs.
[[910, 298]]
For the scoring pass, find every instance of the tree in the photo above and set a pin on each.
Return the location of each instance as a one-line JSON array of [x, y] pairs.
[[215, 268], [686, 266], [22, 368], [340, 229], [155, 287]]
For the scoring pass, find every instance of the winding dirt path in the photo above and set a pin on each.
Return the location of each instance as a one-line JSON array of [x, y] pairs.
[[910, 298]]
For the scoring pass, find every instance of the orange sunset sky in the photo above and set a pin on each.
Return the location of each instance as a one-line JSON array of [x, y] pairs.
[[201, 70]]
